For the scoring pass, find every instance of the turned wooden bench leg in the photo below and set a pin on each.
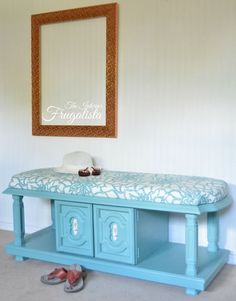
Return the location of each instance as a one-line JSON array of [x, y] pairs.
[[18, 222], [212, 231], [191, 252]]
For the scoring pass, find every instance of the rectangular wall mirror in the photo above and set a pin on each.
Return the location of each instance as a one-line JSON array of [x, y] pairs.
[[74, 72]]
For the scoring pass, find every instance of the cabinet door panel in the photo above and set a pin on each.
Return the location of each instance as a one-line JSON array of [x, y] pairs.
[[74, 231], [114, 233]]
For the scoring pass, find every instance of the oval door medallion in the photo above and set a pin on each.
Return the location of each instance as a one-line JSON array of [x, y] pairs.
[[74, 226], [114, 231]]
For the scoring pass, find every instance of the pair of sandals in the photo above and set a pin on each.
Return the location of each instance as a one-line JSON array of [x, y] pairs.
[[89, 171], [73, 278]]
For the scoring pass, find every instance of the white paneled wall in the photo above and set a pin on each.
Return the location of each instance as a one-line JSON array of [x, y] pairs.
[[177, 99]]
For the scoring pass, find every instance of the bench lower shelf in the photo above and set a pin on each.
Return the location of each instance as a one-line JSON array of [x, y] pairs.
[[166, 265]]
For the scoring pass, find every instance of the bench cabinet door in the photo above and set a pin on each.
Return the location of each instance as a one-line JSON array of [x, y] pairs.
[[114, 233], [74, 228]]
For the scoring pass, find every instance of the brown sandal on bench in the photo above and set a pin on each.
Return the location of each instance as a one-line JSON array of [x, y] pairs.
[[96, 171], [84, 172]]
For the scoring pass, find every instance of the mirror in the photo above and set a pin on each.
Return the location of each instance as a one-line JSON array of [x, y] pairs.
[[74, 72]]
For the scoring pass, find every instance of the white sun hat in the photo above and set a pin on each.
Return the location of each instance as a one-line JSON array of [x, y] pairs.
[[75, 161]]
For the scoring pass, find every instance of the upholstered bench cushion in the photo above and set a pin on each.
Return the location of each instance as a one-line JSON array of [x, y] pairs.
[[160, 188]]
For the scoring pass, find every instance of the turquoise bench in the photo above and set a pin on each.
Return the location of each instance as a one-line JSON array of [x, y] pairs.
[[118, 222]]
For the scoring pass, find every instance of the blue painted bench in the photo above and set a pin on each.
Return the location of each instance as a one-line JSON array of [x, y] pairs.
[[118, 222]]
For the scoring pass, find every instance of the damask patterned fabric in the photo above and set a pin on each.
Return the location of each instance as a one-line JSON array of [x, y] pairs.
[[159, 188]]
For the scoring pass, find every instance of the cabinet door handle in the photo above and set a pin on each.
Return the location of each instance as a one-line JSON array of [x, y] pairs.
[[114, 232], [74, 226]]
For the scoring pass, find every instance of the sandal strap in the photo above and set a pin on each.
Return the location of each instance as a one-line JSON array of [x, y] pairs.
[[84, 172], [96, 171], [73, 276], [60, 273]]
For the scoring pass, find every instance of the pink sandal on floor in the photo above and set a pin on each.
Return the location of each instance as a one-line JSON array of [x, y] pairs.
[[57, 276], [75, 279]]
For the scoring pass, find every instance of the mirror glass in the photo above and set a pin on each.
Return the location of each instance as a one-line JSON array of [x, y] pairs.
[[73, 64]]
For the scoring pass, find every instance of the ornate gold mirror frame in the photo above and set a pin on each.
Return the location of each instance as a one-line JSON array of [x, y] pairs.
[[49, 82]]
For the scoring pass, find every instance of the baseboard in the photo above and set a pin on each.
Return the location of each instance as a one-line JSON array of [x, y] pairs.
[[232, 258], [6, 226], [31, 228]]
